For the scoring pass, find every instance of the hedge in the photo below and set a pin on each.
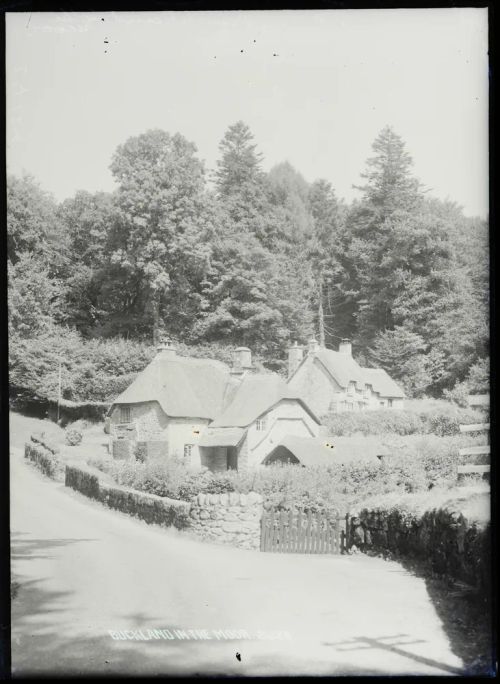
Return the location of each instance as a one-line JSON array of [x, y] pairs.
[[443, 537], [45, 460], [39, 438], [148, 507], [83, 481], [441, 418]]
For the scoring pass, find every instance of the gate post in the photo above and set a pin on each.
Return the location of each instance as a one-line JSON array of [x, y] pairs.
[[345, 535]]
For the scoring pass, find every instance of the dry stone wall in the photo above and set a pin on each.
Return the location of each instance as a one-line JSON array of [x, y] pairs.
[[230, 518], [444, 538]]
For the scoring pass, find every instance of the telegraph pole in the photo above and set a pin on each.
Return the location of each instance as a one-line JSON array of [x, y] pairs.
[[59, 392]]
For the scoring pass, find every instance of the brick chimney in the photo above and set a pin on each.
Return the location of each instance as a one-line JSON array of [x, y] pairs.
[[295, 356], [242, 359], [345, 347]]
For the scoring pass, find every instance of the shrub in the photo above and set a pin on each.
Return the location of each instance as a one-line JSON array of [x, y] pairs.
[[83, 481], [148, 507], [45, 460], [439, 418], [73, 437], [39, 438]]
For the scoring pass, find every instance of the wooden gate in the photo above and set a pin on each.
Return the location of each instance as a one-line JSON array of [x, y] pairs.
[[298, 532]]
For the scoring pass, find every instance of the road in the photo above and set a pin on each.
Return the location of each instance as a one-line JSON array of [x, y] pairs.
[[84, 572]]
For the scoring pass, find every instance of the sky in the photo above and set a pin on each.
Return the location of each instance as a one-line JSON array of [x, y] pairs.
[[314, 86]]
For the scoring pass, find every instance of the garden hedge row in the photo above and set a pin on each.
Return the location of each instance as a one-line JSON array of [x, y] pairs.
[[148, 507], [44, 459]]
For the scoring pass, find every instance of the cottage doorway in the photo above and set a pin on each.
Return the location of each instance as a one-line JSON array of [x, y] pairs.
[[232, 458]]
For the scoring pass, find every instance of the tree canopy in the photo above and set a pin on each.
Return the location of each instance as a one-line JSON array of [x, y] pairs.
[[256, 258]]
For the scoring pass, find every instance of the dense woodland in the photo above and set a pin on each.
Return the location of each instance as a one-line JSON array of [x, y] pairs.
[[238, 256]]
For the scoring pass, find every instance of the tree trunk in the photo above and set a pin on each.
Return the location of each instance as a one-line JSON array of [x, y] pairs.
[[321, 320]]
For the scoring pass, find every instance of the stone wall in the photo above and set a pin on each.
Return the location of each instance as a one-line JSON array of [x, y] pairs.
[[451, 544], [221, 518], [231, 518]]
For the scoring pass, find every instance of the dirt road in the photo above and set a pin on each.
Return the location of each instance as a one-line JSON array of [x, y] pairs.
[[86, 573]]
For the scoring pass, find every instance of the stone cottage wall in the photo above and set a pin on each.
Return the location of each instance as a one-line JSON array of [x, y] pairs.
[[231, 518], [149, 420]]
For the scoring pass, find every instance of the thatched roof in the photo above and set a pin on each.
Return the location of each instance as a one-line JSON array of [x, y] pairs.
[[184, 387], [254, 397], [382, 383], [342, 367]]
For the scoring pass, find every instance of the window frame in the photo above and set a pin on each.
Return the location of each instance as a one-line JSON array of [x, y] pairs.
[[261, 424], [125, 411]]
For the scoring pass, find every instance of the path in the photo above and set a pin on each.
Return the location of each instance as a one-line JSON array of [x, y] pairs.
[[83, 570]]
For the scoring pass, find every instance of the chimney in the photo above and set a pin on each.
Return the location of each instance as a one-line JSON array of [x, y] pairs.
[[165, 350], [313, 347], [295, 355], [242, 358], [345, 347]]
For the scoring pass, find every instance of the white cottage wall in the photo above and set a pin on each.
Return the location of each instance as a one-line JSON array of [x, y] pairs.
[[288, 417]]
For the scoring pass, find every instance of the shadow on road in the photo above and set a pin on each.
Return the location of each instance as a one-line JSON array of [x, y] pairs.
[[393, 644], [38, 549], [465, 617], [40, 648]]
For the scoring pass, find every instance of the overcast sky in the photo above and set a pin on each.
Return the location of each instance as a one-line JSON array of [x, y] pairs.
[[315, 87]]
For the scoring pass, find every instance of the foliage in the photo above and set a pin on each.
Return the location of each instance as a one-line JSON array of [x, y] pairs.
[[260, 259], [476, 382], [418, 463], [73, 437], [33, 297], [44, 459], [91, 370], [440, 418]]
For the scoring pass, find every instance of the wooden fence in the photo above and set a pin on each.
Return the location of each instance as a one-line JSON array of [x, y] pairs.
[[480, 401], [298, 532]]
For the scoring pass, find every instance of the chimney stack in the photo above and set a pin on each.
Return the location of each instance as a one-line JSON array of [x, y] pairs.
[[295, 356], [242, 358], [313, 346], [345, 347]]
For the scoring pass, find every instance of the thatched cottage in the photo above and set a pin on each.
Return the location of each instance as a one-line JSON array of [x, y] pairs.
[[206, 413], [332, 381]]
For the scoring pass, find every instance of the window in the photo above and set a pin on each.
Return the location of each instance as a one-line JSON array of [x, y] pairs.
[[188, 450], [124, 414], [351, 389], [260, 424], [350, 406], [389, 403]]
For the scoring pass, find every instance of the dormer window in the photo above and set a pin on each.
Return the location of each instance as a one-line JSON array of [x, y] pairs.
[[351, 389], [124, 414], [261, 424]]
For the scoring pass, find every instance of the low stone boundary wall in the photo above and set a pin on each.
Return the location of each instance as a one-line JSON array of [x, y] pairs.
[[231, 518], [44, 458], [452, 545]]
